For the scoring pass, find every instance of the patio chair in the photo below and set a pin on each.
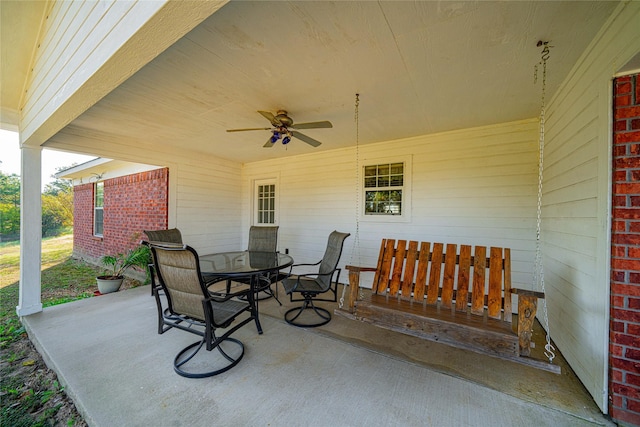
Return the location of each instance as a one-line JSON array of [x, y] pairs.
[[171, 236], [263, 239], [195, 309], [312, 286]]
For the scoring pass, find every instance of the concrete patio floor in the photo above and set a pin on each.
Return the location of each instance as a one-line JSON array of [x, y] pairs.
[[119, 372]]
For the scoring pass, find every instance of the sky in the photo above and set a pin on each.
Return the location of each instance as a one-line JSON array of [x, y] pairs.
[[51, 159]]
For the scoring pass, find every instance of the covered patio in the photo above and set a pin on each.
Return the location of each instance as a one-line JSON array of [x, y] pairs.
[[119, 371], [446, 90]]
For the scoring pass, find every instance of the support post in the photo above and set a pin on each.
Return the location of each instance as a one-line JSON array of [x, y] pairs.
[[29, 300]]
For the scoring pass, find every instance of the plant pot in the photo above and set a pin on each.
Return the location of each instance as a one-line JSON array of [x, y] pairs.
[[108, 284]]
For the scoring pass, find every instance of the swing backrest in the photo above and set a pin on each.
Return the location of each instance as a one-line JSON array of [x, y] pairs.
[[438, 274]]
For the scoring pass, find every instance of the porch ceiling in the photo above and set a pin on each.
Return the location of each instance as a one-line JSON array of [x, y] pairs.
[[420, 68]]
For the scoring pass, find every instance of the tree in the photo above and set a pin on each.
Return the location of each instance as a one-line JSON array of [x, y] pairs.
[[57, 205], [9, 204], [10, 189]]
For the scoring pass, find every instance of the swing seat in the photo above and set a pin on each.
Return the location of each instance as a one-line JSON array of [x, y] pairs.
[[459, 298]]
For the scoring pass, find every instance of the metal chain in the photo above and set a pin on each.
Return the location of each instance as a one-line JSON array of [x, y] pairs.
[[356, 239], [538, 274]]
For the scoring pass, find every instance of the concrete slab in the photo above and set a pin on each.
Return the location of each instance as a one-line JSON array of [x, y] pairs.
[[119, 372]]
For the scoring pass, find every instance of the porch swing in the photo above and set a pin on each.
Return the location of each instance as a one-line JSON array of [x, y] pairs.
[[458, 295]]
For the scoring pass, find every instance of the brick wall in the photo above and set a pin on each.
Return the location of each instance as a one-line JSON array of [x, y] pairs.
[[132, 203], [624, 342]]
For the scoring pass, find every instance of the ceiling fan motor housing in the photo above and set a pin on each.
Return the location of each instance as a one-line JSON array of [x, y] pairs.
[[283, 118]]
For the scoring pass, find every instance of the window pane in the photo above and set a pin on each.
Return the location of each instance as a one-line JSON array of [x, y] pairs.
[[99, 197], [266, 204], [378, 181], [98, 221], [397, 168]]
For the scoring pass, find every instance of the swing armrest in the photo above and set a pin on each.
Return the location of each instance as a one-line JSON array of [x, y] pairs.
[[526, 292], [357, 269], [354, 283]]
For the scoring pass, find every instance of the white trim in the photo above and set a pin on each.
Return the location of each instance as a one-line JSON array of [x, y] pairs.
[[254, 196], [407, 195]]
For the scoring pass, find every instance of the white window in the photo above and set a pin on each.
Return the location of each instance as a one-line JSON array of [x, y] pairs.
[[386, 190], [265, 202], [98, 212]]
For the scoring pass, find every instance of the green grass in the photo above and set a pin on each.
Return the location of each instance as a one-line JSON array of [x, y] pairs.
[[63, 279]]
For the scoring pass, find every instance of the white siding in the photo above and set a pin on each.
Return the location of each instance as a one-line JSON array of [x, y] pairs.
[[475, 186], [103, 41], [205, 192], [576, 201]]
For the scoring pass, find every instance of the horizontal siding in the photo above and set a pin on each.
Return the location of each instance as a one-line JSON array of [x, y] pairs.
[[97, 42], [475, 186], [576, 199]]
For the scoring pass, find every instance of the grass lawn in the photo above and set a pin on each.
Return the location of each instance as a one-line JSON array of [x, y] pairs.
[[30, 394]]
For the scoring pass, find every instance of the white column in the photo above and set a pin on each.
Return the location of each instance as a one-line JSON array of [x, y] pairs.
[[30, 232]]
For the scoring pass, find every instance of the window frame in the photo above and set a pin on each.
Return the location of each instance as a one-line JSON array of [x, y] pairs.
[[405, 216], [98, 208], [256, 211]]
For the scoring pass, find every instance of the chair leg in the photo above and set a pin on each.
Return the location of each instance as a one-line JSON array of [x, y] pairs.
[[291, 315]]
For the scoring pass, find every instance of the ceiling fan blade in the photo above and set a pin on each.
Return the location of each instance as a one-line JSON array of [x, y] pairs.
[[312, 125], [242, 130], [268, 144], [272, 119], [306, 138]]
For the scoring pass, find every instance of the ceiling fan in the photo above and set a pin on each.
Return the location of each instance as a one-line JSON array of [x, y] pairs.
[[284, 128]]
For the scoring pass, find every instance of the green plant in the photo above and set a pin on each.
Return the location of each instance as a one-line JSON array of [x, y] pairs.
[[116, 265]]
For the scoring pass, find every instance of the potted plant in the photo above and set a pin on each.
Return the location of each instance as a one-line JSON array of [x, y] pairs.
[[116, 265]]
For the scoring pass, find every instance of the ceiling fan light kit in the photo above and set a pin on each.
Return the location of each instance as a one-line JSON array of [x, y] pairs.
[[285, 129]]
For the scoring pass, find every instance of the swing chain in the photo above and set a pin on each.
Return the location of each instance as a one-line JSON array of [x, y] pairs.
[[538, 275], [356, 240]]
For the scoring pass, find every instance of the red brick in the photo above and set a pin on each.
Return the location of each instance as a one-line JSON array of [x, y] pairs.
[[635, 174], [634, 125], [625, 416], [633, 379], [633, 252], [623, 86], [619, 226], [619, 251], [127, 212], [619, 150], [618, 302], [625, 339], [633, 329], [616, 376], [625, 163], [625, 264], [616, 351], [633, 406], [616, 400], [623, 101], [634, 226], [627, 188], [620, 276], [627, 112], [632, 353], [624, 137], [626, 238], [634, 303], [621, 125], [620, 176], [626, 390]]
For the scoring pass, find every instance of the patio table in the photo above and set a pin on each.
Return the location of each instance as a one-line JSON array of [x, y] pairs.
[[243, 264]]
